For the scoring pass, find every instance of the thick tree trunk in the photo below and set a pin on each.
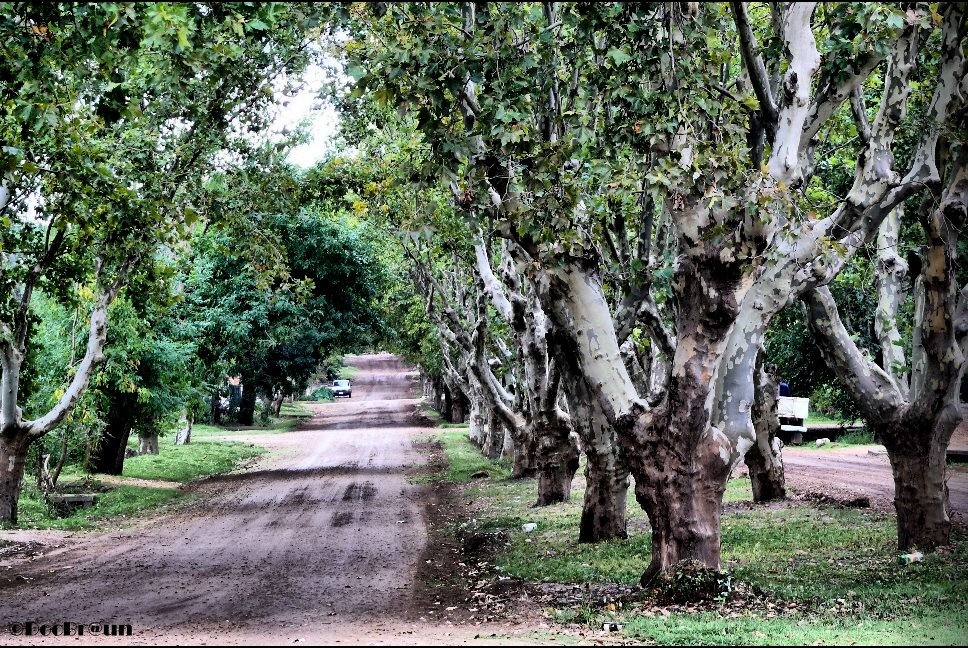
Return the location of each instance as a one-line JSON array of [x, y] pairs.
[[247, 405], [918, 460], [684, 509], [765, 464], [436, 391], [556, 458], [764, 459], [148, 444], [457, 409], [184, 436], [493, 444], [915, 434], [680, 462], [523, 460], [107, 456], [604, 513], [477, 428], [13, 463]]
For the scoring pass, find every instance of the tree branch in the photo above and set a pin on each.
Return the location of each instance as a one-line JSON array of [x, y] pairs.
[[891, 270], [868, 384], [859, 109], [937, 359], [93, 356], [756, 69], [794, 106], [492, 286]]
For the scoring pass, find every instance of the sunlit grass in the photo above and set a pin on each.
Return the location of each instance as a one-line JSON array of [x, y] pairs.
[[183, 463]]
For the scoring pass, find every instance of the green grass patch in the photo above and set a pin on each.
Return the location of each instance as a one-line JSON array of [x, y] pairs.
[[711, 629], [348, 372], [829, 575], [113, 506], [295, 410], [861, 436], [814, 418], [285, 423], [465, 459], [183, 463], [118, 502]]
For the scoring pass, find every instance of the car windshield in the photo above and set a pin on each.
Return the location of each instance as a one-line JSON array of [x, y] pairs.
[[341, 383]]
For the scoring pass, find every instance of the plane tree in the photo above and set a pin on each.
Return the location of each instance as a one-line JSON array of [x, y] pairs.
[[913, 405], [532, 102], [438, 57], [748, 244]]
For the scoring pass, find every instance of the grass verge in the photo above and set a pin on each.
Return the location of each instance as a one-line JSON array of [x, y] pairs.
[[185, 463], [348, 372], [815, 574], [117, 500]]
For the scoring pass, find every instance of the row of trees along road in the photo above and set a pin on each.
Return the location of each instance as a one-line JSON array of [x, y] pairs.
[[606, 205], [153, 240], [603, 207]]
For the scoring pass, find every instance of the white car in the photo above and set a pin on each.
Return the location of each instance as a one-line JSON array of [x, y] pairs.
[[342, 388]]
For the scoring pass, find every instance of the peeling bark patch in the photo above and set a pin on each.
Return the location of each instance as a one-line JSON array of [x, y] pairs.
[[355, 491]]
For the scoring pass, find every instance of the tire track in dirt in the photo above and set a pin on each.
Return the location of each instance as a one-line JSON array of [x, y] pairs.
[[324, 532]]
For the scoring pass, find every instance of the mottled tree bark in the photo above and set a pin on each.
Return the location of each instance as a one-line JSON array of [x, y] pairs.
[[916, 437], [557, 463], [604, 510], [891, 272], [493, 446], [917, 449], [764, 459], [148, 444], [13, 463], [523, 456]]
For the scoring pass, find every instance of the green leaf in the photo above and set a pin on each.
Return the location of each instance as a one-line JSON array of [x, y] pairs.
[[895, 21], [618, 56]]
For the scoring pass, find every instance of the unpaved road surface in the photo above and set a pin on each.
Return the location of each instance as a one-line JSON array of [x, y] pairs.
[[318, 542], [322, 541], [851, 472]]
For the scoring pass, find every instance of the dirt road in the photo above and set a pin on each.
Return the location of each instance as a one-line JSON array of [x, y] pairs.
[[319, 542], [855, 471]]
